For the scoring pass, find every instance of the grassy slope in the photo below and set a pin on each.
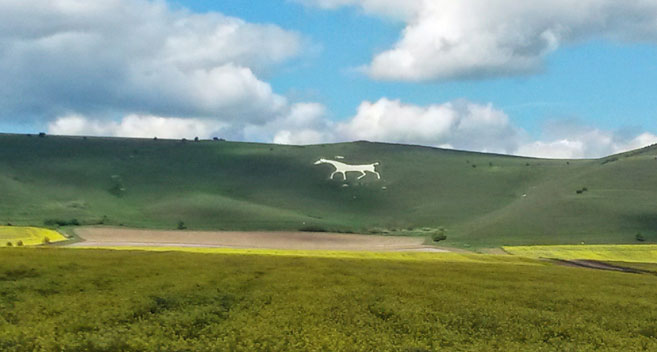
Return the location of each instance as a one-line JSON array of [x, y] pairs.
[[224, 185], [94, 300]]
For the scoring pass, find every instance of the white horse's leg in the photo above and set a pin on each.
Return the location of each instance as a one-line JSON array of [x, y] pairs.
[[363, 175], [377, 174], [334, 172], [344, 174]]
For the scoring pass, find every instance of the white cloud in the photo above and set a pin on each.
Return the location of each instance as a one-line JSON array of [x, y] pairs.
[[107, 56], [304, 123], [138, 126], [446, 39], [591, 143], [460, 124]]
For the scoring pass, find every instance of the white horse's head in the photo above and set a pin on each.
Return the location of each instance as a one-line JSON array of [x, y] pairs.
[[320, 161]]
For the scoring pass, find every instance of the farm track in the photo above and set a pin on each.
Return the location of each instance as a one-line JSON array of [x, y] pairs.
[[593, 264], [114, 237]]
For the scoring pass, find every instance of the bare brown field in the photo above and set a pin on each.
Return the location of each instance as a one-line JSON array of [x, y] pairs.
[[116, 237]]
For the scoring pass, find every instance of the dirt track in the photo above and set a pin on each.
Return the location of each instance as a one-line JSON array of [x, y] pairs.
[[113, 237], [594, 264]]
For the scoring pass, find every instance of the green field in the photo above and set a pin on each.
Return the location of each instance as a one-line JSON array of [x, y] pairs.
[[99, 300], [483, 200]]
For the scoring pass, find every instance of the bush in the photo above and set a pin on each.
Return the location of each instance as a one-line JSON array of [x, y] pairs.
[[312, 228], [19, 243], [46, 240], [181, 225], [439, 235], [60, 222], [104, 220], [639, 237], [9, 244]]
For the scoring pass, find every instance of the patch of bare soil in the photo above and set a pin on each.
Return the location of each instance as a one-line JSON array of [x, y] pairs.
[[116, 237]]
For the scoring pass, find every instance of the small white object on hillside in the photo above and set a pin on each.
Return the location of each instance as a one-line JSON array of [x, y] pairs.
[[339, 157]]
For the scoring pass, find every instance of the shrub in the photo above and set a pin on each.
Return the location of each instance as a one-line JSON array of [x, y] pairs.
[[579, 191], [181, 225], [312, 228], [19, 243], [60, 222], [639, 237], [46, 240], [42, 134], [439, 235], [9, 244]]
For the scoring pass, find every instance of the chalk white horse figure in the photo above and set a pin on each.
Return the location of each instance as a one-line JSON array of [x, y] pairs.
[[343, 168]]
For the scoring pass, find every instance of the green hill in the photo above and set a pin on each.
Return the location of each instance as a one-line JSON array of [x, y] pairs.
[[481, 199]]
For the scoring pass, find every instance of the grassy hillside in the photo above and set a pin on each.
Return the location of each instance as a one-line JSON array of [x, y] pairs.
[[95, 300], [482, 199]]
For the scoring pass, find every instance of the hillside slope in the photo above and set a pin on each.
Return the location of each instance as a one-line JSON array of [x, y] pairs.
[[482, 199]]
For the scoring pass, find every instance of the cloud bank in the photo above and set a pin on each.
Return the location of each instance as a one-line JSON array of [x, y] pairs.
[[462, 125], [135, 56], [471, 39]]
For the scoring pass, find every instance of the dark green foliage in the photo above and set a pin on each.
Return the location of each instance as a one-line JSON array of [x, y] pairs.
[[640, 237], [61, 222], [104, 220], [9, 244], [181, 225], [313, 228], [439, 235], [19, 243], [89, 300]]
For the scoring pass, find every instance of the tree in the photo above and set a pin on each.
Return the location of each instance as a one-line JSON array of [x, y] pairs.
[[181, 225], [639, 237]]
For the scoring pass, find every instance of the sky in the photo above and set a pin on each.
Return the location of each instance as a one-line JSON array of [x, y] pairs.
[[546, 78]]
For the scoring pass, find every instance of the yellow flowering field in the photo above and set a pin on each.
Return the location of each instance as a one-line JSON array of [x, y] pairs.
[[30, 236], [621, 252], [397, 256]]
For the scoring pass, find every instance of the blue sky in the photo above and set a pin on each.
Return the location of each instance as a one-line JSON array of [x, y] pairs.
[[555, 86], [605, 84]]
